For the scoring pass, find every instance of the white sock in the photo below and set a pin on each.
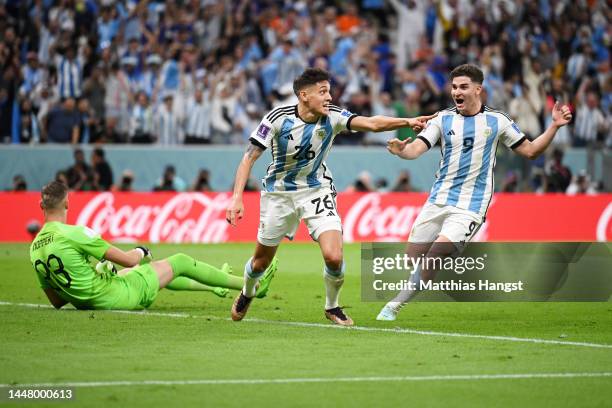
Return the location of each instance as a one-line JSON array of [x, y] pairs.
[[250, 279], [407, 295], [333, 284]]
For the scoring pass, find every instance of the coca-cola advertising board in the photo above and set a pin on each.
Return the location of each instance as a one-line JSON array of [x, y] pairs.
[[200, 217]]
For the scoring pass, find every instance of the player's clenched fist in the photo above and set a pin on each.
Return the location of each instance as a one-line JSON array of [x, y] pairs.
[[234, 212]]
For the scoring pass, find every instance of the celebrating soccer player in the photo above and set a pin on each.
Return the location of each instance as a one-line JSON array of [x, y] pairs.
[[298, 184], [60, 255], [469, 134]]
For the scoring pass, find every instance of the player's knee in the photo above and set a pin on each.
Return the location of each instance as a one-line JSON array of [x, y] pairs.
[[179, 261], [333, 260]]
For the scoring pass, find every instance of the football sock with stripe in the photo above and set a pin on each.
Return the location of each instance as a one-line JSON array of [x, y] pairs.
[[250, 279], [333, 283]]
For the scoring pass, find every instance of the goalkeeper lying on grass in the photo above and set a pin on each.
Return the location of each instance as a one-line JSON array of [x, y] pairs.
[[60, 255]]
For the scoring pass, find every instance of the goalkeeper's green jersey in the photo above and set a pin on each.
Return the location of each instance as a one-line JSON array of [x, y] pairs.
[[60, 255]]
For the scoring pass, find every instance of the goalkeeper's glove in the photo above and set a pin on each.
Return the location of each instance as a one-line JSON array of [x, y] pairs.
[[105, 267], [146, 255]]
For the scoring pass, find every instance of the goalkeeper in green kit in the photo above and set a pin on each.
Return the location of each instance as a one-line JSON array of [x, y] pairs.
[[60, 255]]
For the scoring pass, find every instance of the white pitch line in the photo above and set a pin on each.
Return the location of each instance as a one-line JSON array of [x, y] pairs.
[[397, 330], [467, 377]]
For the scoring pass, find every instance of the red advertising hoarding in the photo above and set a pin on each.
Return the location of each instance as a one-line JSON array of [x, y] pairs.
[[200, 218]]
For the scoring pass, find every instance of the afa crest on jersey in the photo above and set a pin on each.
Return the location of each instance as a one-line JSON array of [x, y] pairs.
[[487, 132], [320, 133]]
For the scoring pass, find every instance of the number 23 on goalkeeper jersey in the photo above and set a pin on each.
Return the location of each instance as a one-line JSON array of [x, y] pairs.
[[299, 148]]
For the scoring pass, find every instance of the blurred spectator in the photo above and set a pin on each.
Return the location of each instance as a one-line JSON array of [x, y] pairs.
[[63, 122], [116, 102], [381, 185], [167, 128], [29, 129], [382, 104], [581, 185], [524, 112], [80, 175], [127, 178], [170, 181], [590, 121], [402, 183], [19, 183], [410, 29], [62, 176], [87, 119], [31, 73], [69, 72], [202, 182], [510, 183], [104, 173], [558, 175], [142, 121], [197, 126], [94, 91], [362, 184]]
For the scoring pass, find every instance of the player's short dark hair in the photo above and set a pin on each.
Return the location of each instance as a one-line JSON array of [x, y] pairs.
[[53, 195], [470, 71], [309, 77]]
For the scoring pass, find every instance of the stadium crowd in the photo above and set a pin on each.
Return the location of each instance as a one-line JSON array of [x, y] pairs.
[[205, 71]]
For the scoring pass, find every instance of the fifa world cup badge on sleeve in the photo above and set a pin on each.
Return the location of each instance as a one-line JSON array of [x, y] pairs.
[[262, 131]]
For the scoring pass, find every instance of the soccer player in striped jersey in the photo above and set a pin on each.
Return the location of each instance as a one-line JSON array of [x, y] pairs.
[[469, 134], [298, 185]]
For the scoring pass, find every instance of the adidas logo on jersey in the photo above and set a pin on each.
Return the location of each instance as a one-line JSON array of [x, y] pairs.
[[450, 133], [331, 214]]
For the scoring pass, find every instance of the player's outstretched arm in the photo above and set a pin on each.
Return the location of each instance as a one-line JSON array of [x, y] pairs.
[[236, 208], [561, 116], [126, 258], [407, 149], [54, 298], [381, 123]]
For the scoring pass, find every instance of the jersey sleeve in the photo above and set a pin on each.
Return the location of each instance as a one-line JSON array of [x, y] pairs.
[[263, 134], [87, 241], [432, 132], [340, 119], [511, 135]]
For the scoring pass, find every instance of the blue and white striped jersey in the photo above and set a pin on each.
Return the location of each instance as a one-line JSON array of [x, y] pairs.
[[298, 148], [465, 178]]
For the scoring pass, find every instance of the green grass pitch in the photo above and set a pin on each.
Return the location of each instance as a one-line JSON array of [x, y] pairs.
[[190, 338]]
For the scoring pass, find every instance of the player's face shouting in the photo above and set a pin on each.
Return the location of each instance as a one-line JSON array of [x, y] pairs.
[[465, 94], [319, 98]]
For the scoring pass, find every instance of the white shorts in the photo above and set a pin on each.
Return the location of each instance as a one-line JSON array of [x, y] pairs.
[[281, 212], [456, 224]]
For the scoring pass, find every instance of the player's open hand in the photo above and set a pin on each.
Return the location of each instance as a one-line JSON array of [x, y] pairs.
[[561, 115], [419, 123], [395, 146], [234, 212]]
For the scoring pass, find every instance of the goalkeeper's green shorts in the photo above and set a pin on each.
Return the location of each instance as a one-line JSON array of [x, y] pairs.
[[135, 290]]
